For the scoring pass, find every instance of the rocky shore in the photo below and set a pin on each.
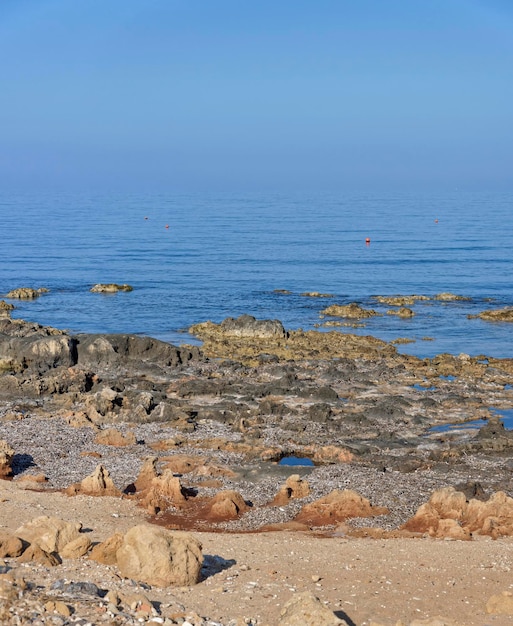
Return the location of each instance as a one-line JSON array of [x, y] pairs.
[[317, 474]]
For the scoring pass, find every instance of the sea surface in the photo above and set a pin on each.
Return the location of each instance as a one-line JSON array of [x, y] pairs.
[[197, 257]]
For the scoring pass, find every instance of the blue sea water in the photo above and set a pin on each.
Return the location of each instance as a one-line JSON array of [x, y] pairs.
[[227, 254]]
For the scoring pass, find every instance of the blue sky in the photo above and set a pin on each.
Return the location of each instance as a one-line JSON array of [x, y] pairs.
[[156, 95]]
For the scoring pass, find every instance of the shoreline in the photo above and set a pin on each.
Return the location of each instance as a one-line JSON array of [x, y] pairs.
[[218, 419]]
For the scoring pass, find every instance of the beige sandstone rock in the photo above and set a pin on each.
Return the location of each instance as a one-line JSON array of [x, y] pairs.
[[51, 534], [305, 609], [76, 548], [338, 506], [294, 487], [26, 293], [165, 490], [160, 557], [106, 551], [99, 483], [10, 545], [37, 555], [227, 505], [448, 514], [113, 437], [352, 310]]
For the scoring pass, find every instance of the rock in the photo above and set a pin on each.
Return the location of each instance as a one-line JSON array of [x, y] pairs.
[[447, 509], [76, 548], [338, 506], [112, 437], [106, 551], [294, 487], [495, 315], [352, 311], [110, 288], [6, 456], [147, 473], [37, 555], [99, 483], [500, 604], [165, 490], [244, 326], [10, 545], [26, 293], [227, 505], [57, 606], [404, 312], [51, 534], [305, 609], [160, 557]]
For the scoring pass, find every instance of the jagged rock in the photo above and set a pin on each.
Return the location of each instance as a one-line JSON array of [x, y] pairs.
[[404, 312], [6, 456], [294, 487], [26, 293], [227, 505], [338, 506], [160, 557], [243, 326], [51, 534], [500, 604], [106, 551], [36, 554], [495, 315], [110, 288], [113, 437], [146, 475], [448, 509], [164, 491], [99, 483], [352, 311], [305, 609], [10, 545]]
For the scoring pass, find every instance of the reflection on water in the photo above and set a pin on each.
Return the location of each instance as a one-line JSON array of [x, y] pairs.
[[506, 417]]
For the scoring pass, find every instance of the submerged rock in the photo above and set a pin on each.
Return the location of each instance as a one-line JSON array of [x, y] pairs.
[[352, 310], [110, 288]]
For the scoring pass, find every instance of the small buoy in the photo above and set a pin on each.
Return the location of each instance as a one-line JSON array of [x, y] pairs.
[[367, 240], [145, 217], [436, 221], [167, 225]]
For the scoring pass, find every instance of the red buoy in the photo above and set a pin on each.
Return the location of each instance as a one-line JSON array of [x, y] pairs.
[[367, 240], [167, 225]]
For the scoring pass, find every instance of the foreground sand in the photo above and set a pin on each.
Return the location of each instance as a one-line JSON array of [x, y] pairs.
[[253, 575]]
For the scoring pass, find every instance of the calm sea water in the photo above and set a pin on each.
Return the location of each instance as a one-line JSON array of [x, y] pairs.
[[224, 255]]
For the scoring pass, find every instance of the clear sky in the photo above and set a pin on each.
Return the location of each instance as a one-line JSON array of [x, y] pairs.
[[258, 95]]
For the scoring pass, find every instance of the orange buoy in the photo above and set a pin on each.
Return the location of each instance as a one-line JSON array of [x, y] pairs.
[[367, 240], [167, 225], [436, 221]]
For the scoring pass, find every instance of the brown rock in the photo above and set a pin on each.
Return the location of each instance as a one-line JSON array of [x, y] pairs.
[[76, 548], [338, 506], [113, 437], [227, 505], [294, 487], [304, 609], [352, 310], [110, 288], [37, 555], [105, 552], [160, 557], [10, 545], [165, 490]]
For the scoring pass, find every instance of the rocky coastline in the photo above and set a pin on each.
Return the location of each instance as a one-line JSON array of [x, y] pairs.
[[262, 432]]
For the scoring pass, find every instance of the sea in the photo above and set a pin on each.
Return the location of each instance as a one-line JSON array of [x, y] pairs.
[[200, 256]]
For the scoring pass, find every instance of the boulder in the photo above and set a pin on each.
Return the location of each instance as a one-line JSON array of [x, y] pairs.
[[10, 545], [51, 534], [227, 505], [352, 311], [26, 293], [305, 609], [76, 548], [106, 551], [164, 491], [338, 506], [37, 555], [244, 326], [160, 557]]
